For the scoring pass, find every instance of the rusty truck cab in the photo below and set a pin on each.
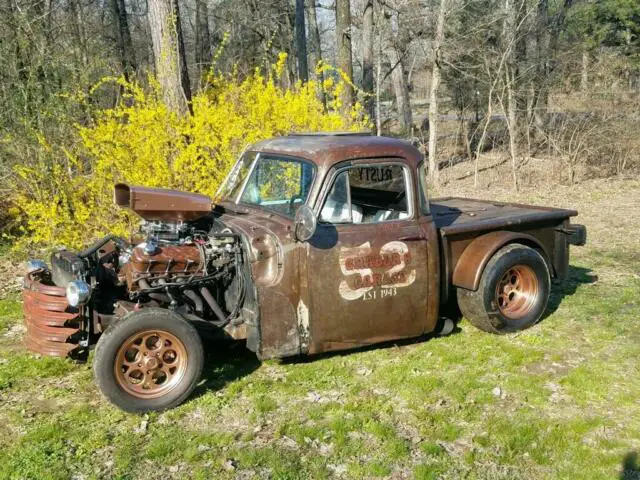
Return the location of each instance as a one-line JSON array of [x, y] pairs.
[[369, 273]]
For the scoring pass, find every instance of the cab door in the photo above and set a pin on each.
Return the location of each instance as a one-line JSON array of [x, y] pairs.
[[367, 262]]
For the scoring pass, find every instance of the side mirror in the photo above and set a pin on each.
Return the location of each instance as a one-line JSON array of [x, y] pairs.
[[305, 223]]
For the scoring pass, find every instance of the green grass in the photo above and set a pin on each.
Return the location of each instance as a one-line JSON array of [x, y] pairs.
[[10, 312], [559, 400]]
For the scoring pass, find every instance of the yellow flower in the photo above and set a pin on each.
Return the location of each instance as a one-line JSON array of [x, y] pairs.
[[66, 190]]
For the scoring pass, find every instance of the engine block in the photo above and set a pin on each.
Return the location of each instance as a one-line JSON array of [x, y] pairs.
[[167, 261]]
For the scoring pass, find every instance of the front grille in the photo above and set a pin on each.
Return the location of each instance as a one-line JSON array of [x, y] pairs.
[[53, 326]]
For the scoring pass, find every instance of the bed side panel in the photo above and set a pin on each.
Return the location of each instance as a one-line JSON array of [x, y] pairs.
[[469, 258]]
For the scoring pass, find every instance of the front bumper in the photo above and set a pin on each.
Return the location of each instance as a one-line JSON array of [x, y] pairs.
[[53, 326]]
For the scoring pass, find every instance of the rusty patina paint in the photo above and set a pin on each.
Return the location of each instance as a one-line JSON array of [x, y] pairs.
[[295, 316], [275, 267], [350, 284], [167, 259], [472, 230], [301, 310], [51, 322], [477, 254], [160, 203]]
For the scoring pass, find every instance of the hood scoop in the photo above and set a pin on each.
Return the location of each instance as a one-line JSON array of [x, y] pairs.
[[162, 204]]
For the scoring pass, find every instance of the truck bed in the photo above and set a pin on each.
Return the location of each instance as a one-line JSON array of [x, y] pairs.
[[454, 215]]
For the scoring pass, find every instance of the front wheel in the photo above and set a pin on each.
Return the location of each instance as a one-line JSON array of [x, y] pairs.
[[513, 292], [150, 360]]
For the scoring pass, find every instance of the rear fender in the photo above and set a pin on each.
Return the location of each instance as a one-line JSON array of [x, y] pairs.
[[475, 257]]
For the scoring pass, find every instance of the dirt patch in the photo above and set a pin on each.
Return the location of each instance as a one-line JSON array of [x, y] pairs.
[[11, 273]]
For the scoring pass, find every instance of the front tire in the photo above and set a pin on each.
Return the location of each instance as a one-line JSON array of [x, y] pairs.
[[513, 292], [150, 360]]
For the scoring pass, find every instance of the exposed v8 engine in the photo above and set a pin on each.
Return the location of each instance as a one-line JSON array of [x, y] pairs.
[[186, 268], [183, 260]]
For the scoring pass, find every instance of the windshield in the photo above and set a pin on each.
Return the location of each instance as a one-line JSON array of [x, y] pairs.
[[235, 180], [278, 183]]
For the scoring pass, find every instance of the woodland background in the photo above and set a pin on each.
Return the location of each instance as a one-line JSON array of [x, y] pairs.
[[533, 101], [168, 92]]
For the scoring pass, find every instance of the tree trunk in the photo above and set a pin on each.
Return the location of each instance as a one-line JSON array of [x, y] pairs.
[[521, 75], [398, 79], [123, 38], [316, 50], [203, 39], [510, 29], [343, 35], [367, 58], [78, 30], [168, 50], [400, 89], [378, 82], [512, 122], [539, 101], [584, 75], [301, 42], [288, 44], [434, 117]]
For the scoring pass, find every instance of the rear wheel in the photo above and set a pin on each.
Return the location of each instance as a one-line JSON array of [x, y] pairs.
[[513, 292], [150, 360]]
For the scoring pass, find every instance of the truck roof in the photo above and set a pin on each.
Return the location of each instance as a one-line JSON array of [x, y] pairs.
[[326, 149]]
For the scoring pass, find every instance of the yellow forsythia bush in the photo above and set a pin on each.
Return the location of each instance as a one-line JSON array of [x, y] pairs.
[[66, 195]]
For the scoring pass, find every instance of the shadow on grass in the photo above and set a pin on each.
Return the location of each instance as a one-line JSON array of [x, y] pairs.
[[630, 466], [367, 348], [225, 362], [576, 276]]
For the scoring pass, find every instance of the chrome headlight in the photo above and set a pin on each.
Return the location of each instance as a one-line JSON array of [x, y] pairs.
[[34, 265], [78, 292]]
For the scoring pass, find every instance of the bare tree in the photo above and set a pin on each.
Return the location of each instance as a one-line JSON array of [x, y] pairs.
[[584, 71], [343, 35], [301, 42], [489, 114], [168, 50], [203, 38], [398, 79], [511, 26], [78, 27], [316, 48], [367, 57], [123, 38], [433, 92]]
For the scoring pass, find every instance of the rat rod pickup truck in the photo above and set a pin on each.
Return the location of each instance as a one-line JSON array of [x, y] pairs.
[[314, 243]]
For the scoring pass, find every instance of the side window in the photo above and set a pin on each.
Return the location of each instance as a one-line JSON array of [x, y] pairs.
[[367, 194], [336, 207]]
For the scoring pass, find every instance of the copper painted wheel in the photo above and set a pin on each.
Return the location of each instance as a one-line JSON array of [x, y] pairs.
[[150, 363], [517, 292]]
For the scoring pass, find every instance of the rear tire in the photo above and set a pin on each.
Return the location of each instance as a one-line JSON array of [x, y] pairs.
[[513, 292], [150, 360]]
